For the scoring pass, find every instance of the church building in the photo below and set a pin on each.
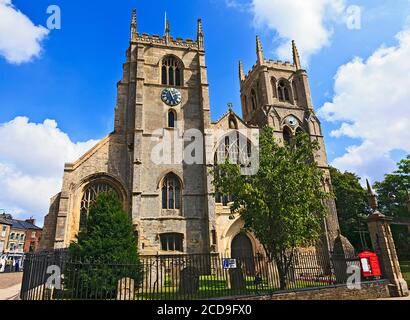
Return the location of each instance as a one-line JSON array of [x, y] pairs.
[[164, 93]]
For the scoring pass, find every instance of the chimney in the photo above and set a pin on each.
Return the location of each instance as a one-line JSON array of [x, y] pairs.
[[31, 220]]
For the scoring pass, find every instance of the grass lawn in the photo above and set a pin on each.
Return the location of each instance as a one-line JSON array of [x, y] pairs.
[[215, 287], [405, 269]]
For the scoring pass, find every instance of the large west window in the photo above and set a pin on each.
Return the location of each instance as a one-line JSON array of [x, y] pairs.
[[171, 71], [90, 195], [171, 242], [171, 192]]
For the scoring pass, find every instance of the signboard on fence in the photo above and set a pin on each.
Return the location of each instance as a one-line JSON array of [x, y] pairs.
[[229, 264]]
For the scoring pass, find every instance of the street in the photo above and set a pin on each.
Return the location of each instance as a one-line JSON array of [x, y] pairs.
[[10, 284]]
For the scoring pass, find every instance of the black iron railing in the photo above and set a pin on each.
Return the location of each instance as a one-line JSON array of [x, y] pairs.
[[55, 275]]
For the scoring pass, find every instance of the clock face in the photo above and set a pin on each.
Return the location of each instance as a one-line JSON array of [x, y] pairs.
[[292, 121], [171, 96]]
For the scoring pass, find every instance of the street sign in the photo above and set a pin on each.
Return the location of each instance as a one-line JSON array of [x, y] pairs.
[[229, 264]]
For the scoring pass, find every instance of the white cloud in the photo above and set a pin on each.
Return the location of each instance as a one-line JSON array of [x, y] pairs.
[[371, 103], [307, 22], [20, 39], [32, 157]]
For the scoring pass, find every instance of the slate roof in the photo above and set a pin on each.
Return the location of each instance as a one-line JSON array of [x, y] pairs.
[[23, 225], [18, 224], [5, 221]]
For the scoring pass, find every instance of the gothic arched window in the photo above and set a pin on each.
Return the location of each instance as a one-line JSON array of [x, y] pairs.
[[254, 100], [287, 135], [245, 103], [283, 91], [172, 117], [274, 89], [171, 72], [171, 192], [90, 195], [295, 91], [232, 123]]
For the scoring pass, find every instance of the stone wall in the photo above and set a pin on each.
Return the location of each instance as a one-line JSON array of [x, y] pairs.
[[369, 291]]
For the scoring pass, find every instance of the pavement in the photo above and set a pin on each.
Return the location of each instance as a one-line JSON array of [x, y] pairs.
[[10, 285], [392, 299]]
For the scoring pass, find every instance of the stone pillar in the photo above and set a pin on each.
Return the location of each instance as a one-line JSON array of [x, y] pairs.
[[383, 243]]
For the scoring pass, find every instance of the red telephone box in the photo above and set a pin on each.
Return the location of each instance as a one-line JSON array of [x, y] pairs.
[[369, 263]]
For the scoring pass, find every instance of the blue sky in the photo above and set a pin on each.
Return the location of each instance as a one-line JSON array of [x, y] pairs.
[[72, 79]]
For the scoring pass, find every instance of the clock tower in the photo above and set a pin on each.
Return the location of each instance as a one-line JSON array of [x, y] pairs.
[[277, 94], [162, 95]]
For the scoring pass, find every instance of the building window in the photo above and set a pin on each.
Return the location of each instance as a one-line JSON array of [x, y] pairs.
[[223, 199], [12, 236], [245, 103], [287, 135], [214, 237], [171, 242], [254, 100], [171, 72], [171, 118], [33, 234], [274, 90], [171, 192], [3, 232], [232, 123], [90, 195], [295, 91], [283, 91]]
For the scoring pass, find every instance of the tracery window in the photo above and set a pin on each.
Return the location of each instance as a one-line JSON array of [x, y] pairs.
[[171, 192], [238, 149], [171, 72], [283, 91], [90, 195]]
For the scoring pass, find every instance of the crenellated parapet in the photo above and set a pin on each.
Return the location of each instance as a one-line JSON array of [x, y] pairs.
[[162, 41], [277, 65], [167, 40]]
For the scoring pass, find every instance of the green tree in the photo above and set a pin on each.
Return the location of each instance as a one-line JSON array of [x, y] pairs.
[[392, 196], [105, 250], [283, 203], [352, 208]]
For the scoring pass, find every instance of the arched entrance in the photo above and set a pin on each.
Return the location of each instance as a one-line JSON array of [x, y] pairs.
[[241, 249]]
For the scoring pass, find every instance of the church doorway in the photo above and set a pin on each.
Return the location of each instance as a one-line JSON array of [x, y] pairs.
[[241, 249]]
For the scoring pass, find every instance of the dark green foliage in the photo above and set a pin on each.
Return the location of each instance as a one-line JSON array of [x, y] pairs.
[[106, 251], [352, 207], [282, 204], [392, 198]]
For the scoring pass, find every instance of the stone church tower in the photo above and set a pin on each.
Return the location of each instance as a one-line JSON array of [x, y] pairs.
[[163, 99], [163, 93], [277, 94]]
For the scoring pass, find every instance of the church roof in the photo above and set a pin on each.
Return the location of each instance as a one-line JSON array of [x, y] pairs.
[[229, 113]]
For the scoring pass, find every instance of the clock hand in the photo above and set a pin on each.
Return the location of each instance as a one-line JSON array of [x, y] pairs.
[[172, 96]]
